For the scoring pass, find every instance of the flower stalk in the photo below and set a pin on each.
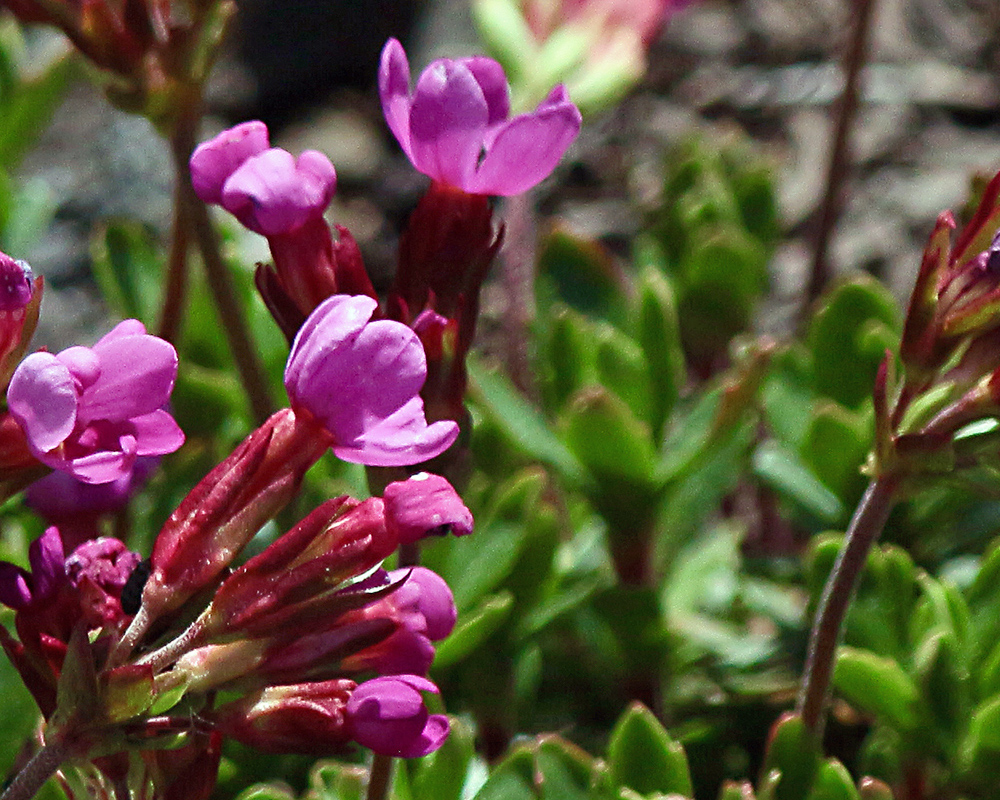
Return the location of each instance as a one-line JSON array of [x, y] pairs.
[[866, 526]]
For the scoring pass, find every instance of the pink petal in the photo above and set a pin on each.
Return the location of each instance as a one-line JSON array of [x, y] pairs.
[[448, 121], [527, 149], [42, 397], [157, 433], [394, 90], [215, 160], [271, 193], [137, 376], [83, 364], [382, 371], [101, 467], [493, 83], [395, 445], [425, 504], [435, 731], [333, 322], [128, 327]]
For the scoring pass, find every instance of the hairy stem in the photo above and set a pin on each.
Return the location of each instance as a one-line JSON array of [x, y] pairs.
[[378, 779], [40, 768], [866, 525], [837, 167]]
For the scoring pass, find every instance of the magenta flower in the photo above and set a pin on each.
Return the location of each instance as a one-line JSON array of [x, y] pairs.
[[388, 716], [273, 193], [266, 188], [19, 588], [92, 411], [215, 160], [361, 380], [455, 128], [424, 505]]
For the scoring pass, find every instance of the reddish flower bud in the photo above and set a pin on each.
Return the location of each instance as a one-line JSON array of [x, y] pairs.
[[221, 514], [20, 300], [309, 718]]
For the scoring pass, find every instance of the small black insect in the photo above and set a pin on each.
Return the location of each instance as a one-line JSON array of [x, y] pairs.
[[132, 590]]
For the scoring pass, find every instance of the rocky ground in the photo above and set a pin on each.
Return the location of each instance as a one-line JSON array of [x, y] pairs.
[[930, 120]]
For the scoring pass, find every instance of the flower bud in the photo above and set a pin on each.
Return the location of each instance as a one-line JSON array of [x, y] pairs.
[[425, 505], [308, 718], [388, 716]]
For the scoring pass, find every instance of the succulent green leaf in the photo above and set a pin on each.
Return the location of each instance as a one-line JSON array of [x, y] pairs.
[[833, 782], [473, 628], [785, 472], [879, 686], [791, 756], [848, 337], [521, 421], [642, 756]]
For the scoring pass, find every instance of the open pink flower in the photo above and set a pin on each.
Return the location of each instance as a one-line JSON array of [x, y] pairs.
[[362, 380], [266, 188], [455, 126], [92, 411]]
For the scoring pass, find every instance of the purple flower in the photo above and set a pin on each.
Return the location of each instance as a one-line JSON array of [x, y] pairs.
[[92, 411], [361, 380], [18, 587], [388, 716], [455, 128], [273, 193], [422, 505], [265, 188], [215, 160], [425, 602], [99, 569], [16, 284]]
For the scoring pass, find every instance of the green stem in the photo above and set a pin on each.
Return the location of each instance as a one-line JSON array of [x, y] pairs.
[[378, 779], [40, 768], [220, 284], [866, 525]]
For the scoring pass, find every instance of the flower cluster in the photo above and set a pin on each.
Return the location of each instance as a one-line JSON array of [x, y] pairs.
[[311, 643]]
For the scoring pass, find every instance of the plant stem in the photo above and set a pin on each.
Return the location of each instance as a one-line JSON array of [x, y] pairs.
[[177, 266], [378, 779], [220, 284], [866, 525], [39, 769], [854, 61], [517, 260]]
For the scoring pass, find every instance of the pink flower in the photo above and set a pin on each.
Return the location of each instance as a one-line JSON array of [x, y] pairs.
[[273, 193], [455, 128], [388, 716], [92, 411], [423, 505], [215, 160], [361, 380], [266, 188]]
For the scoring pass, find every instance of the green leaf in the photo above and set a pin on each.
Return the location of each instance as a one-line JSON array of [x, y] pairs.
[[128, 268], [833, 782], [334, 780], [658, 333], [642, 756], [623, 369], [569, 361], [519, 419], [581, 273], [835, 446], [512, 779], [879, 686], [792, 758], [605, 435], [473, 628], [29, 106], [848, 337], [784, 471]]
